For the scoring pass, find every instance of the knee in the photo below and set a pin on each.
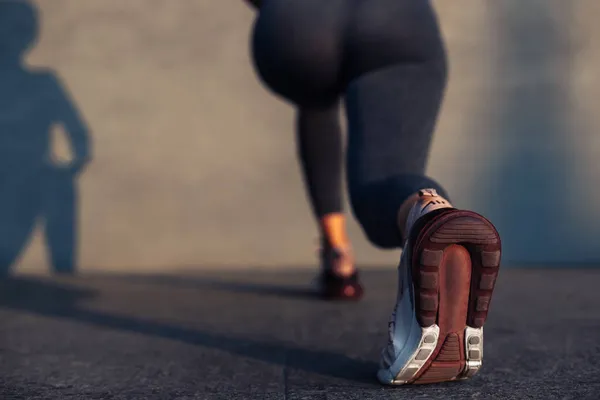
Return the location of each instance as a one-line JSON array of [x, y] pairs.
[[376, 205], [376, 212]]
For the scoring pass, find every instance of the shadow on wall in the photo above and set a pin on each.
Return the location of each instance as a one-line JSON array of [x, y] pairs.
[[529, 181], [32, 184]]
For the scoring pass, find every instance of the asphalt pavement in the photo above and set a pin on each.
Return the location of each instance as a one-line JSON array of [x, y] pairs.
[[264, 335]]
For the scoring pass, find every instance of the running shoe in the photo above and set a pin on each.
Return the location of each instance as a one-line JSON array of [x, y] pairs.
[[447, 274]]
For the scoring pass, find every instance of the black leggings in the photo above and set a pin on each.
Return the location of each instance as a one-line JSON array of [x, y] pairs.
[[386, 60]]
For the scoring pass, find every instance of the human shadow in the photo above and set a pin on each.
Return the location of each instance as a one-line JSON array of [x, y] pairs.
[[51, 299], [239, 285], [33, 185], [308, 291], [281, 291]]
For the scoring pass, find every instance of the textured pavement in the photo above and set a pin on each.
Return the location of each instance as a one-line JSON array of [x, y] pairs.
[[263, 335]]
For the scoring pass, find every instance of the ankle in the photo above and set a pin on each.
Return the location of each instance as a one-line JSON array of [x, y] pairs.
[[333, 231], [338, 260], [418, 204], [403, 212]]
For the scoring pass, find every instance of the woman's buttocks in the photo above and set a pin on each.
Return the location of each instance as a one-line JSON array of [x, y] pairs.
[[310, 49], [298, 46]]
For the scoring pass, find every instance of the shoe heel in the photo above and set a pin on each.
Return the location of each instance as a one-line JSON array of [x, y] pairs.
[[456, 259]]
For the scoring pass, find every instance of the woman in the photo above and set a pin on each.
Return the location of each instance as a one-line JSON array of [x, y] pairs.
[[386, 60]]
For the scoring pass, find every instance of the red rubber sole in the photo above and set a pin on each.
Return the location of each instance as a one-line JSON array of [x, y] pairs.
[[455, 259]]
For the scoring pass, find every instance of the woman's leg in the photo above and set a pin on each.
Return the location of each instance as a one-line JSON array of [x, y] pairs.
[[297, 49], [393, 97], [397, 73], [320, 150]]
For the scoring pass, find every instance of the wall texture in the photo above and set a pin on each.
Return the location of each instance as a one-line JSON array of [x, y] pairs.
[[194, 164]]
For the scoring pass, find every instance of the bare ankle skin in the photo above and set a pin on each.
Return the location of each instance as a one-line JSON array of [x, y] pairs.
[[403, 212]]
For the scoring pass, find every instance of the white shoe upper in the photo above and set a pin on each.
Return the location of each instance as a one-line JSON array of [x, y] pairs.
[[404, 332]]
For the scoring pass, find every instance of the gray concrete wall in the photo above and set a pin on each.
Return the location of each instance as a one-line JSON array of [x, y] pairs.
[[194, 162]]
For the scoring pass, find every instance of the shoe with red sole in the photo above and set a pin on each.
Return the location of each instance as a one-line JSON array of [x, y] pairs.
[[447, 275]]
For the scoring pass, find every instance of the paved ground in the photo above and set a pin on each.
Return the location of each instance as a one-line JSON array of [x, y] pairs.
[[264, 336]]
